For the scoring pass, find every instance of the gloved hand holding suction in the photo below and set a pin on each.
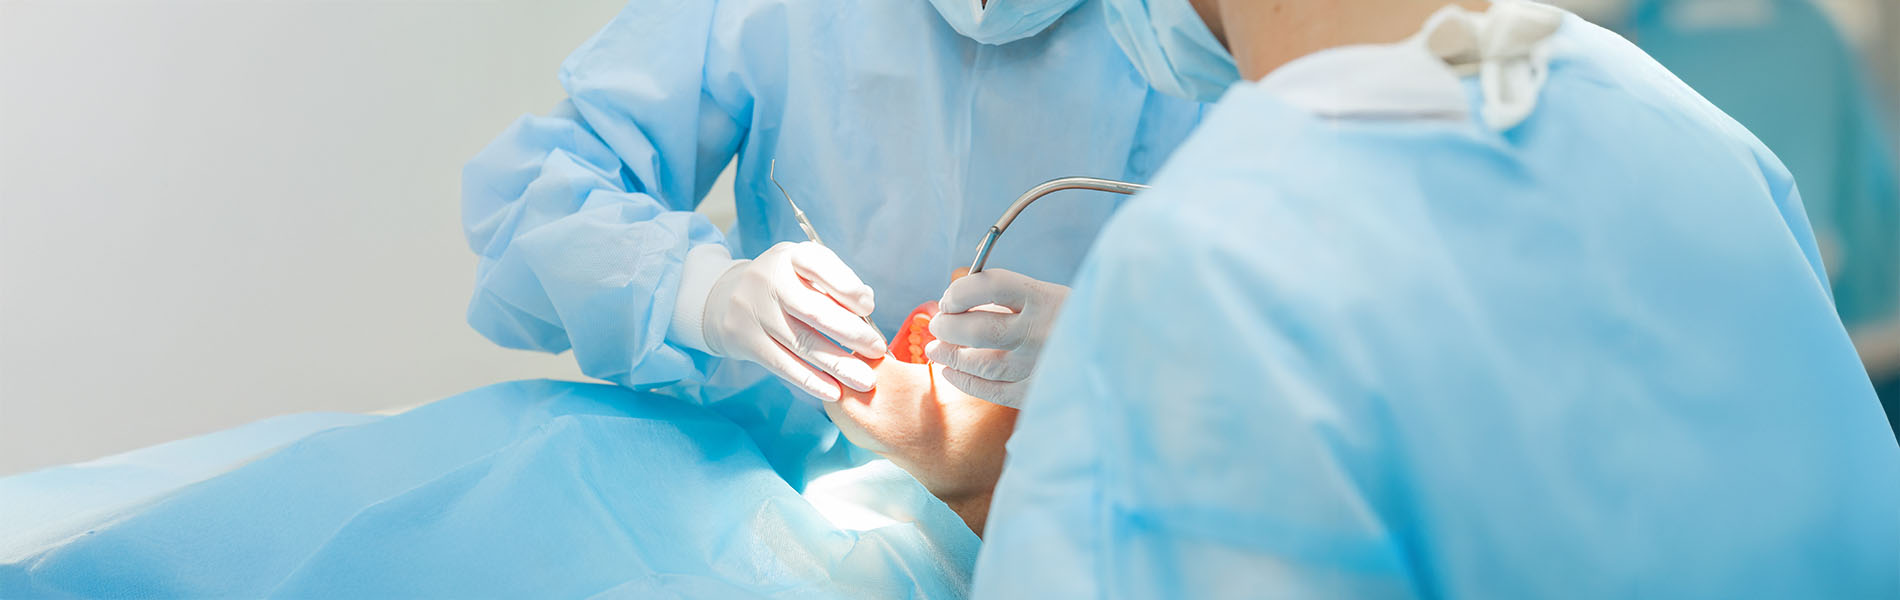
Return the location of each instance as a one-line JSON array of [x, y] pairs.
[[778, 309], [988, 352]]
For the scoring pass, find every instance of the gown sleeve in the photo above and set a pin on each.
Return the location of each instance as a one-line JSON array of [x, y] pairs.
[[582, 218]]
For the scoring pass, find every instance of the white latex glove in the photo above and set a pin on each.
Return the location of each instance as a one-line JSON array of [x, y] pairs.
[[990, 330], [778, 309]]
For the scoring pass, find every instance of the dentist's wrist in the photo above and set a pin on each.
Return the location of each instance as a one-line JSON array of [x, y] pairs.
[[704, 265]]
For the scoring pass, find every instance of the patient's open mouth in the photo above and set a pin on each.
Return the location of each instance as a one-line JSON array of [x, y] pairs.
[[914, 334]]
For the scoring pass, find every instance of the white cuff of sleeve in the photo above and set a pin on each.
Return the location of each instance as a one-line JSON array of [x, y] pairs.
[[704, 265]]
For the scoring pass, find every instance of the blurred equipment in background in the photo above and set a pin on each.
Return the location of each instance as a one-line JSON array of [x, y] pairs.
[[1785, 71]]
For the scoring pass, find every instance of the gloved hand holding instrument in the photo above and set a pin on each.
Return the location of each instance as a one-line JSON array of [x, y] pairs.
[[990, 329], [784, 308], [790, 309], [991, 324]]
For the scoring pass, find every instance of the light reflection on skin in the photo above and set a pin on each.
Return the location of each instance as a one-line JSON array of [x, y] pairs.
[[951, 442]]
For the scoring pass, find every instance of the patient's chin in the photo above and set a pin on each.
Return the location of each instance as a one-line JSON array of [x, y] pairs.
[[949, 441], [898, 418]]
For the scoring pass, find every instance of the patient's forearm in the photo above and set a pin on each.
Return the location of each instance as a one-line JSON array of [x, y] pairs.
[[949, 441]]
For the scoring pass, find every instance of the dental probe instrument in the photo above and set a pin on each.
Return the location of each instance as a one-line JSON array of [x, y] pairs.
[[804, 223], [1036, 193]]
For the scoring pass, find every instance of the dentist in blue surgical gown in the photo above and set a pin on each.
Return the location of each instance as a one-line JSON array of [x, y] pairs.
[[1469, 301], [902, 127]]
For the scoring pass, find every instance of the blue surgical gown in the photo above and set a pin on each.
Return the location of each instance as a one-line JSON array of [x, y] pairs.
[[901, 139], [533, 489], [1592, 356], [1781, 69]]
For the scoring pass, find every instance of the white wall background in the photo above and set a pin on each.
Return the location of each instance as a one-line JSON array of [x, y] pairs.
[[217, 211]]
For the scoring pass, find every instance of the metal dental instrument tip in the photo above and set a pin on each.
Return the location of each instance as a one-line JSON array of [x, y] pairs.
[[771, 174]]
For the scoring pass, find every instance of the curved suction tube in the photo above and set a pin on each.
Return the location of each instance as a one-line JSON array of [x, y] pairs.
[[1036, 193]]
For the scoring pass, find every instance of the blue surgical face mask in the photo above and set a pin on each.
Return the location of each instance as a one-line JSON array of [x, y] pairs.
[[1172, 47], [1003, 21]]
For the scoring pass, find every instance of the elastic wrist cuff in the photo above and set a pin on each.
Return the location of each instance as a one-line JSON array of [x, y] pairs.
[[704, 265]]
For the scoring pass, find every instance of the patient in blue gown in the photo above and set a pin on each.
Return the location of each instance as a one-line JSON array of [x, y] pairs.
[[532, 489]]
